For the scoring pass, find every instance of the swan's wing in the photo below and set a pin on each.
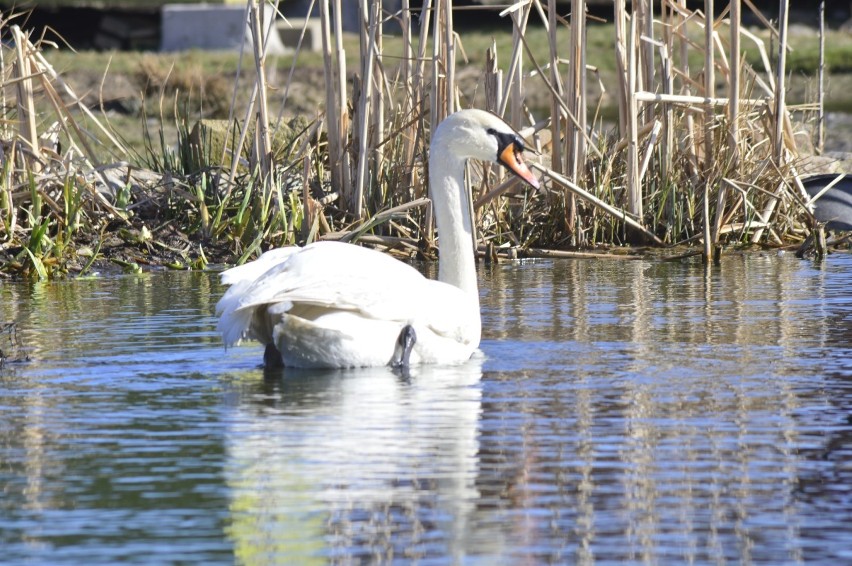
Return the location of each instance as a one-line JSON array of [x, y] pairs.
[[334, 274], [251, 271], [339, 276]]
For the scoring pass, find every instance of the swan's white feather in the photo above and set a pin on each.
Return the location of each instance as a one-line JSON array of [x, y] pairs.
[[252, 270], [336, 304]]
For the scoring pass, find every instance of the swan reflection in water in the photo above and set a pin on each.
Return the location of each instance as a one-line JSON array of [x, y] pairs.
[[354, 463]]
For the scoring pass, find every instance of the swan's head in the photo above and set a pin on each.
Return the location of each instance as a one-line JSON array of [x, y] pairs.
[[481, 135]]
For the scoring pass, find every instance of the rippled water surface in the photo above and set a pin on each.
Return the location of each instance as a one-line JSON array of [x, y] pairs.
[[622, 412]]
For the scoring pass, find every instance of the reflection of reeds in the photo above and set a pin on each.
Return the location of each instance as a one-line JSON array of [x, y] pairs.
[[684, 165], [10, 344]]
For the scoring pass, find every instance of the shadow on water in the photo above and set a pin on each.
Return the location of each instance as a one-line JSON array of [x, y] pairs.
[[622, 412]]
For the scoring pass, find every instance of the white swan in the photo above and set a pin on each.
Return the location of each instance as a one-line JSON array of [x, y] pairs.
[[336, 305]]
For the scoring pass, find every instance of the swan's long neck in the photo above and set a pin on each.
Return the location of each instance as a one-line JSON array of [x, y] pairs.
[[456, 263]]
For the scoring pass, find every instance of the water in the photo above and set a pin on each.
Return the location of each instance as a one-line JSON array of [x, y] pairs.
[[624, 412]]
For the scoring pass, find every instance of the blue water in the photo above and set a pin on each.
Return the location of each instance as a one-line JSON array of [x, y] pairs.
[[622, 412]]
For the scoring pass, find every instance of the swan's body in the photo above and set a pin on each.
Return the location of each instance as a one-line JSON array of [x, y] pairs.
[[332, 304]]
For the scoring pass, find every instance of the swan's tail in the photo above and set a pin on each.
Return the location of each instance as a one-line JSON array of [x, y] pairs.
[[233, 321], [234, 316]]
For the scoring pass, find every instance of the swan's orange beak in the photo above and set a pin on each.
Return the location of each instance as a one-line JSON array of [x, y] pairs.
[[512, 158]]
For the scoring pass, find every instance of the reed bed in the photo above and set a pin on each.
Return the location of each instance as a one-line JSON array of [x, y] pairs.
[[702, 152]]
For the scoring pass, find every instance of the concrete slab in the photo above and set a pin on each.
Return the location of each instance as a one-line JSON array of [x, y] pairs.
[[290, 30], [212, 26]]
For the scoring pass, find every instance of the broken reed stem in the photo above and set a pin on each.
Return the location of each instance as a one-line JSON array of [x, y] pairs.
[[608, 209], [820, 143]]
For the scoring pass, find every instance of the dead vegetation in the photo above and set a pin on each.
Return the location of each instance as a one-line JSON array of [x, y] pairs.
[[704, 150]]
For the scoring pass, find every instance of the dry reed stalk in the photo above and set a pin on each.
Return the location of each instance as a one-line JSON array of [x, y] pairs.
[[380, 218], [621, 50], [44, 67], [643, 11], [236, 154], [378, 133], [408, 104], [763, 19], [620, 215], [30, 65], [492, 80], [27, 129], [263, 148], [366, 107], [420, 60], [691, 100], [331, 105], [562, 104], [812, 200], [4, 125], [493, 94], [667, 144], [7, 202], [780, 90], [298, 49], [683, 69], [734, 83], [780, 110], [75, 131], [439, 94], [654, 136], [556, 82], [575, 154], [733, 113], [820, 144], [336, 107], [512, 87], [405, 64], [342, 112], [666, 48], [544, 254], [634, 188], [575, 148], [449, 40], [709, 92], [623, 143]]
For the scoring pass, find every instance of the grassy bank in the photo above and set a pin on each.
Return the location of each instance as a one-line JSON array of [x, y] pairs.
[[103, 161]]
